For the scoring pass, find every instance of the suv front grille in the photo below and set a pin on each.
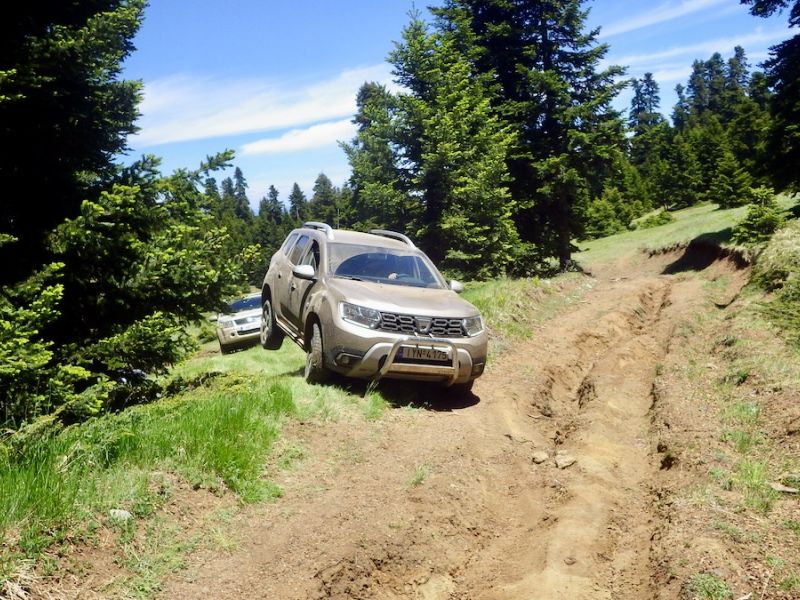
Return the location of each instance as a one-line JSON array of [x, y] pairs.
[[411, 325]]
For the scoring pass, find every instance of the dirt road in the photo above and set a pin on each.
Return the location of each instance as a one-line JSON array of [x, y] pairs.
[[540, 487]]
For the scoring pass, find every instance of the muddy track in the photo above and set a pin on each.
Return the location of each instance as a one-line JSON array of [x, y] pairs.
[[481, 519]]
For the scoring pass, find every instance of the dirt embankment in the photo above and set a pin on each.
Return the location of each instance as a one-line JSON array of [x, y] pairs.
[[544, 488]]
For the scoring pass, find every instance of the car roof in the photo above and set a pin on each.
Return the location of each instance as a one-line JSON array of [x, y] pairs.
[[346, 236]]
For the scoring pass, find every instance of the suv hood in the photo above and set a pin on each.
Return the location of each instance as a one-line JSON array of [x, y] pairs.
[[429, 302]]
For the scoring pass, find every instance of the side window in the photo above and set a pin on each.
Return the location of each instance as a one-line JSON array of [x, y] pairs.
[[298, 250], [288, 243], [311, 256]]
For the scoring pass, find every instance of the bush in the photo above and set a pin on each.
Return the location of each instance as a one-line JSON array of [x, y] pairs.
[[32, 381], [661, 217], [762, 220]]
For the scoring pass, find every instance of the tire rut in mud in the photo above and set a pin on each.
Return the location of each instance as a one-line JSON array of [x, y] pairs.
[[545, 532], [596, 394]]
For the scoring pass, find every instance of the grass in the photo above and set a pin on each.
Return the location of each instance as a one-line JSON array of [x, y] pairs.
[[57, 486], [706, 219], [421, 473], [66, 482], [512, 307], [708, 587]]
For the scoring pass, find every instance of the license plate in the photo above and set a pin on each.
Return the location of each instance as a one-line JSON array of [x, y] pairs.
[[417, 353]]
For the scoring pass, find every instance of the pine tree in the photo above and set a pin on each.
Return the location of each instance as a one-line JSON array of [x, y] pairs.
[[323, 205], [551, 92], [379, 187], [679, 182], [697, 89], [783, 71], [681, 110], [731, 185], [298, 205], [456, 150], [65, 113], [239, 192]]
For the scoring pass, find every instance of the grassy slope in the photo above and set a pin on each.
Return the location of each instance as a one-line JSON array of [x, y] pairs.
[[705, 220]]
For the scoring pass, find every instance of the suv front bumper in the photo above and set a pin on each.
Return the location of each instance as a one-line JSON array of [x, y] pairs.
[[466, 359]]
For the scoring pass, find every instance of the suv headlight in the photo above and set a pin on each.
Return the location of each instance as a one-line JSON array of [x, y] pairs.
[[360, 315], [225, 323], [473, 325]]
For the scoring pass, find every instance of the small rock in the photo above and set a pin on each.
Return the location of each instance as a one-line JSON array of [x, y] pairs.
[[570, 560], [564, 460], [540, 456], [783, 488], [119, 514]]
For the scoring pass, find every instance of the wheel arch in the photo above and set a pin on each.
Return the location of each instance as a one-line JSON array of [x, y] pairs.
[[311, 319]]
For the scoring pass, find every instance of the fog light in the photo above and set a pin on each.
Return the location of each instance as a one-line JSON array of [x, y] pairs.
[[477, 369], [343, 359]]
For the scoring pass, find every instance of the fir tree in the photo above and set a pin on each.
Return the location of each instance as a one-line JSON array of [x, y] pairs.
[[783, 71], [323, 205], [550, 90], [731, 185], [65, 113], [298, 205], [379, 185]]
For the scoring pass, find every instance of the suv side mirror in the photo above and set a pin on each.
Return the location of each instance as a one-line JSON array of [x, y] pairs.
[[303, 271], [456, 286]]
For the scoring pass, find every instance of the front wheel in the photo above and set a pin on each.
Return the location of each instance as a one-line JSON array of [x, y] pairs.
[[316, 371], [271, 336]]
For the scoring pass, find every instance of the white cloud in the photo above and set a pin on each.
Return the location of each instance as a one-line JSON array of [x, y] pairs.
[[662, 13], [702, 50], [181, 108], [315, 136]]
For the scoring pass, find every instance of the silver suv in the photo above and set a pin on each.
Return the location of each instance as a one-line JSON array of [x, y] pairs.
[[370, 305]]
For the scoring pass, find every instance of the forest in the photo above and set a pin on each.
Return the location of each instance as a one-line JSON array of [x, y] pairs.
[[502, 150]]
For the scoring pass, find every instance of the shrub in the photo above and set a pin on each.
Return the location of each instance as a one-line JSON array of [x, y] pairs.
[[762, 220], [661, 217]]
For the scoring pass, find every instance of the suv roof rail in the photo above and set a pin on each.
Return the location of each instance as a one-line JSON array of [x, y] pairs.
[[394, 235], [320, 226]]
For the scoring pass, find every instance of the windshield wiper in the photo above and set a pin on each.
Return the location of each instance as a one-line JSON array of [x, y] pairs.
[[350, 277]]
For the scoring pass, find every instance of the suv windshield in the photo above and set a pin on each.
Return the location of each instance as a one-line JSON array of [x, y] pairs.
[[382, 265], [247, 303]]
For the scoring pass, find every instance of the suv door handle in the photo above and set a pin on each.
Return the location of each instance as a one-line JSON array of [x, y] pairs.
[[294, 286], [279, 275]]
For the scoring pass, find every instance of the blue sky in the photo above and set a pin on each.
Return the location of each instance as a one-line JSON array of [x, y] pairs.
[[276, 80]]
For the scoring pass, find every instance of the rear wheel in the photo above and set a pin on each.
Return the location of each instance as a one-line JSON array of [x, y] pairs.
[[271, 336], [316, 371]]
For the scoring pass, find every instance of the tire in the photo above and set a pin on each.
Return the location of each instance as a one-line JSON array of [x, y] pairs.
[[316, 371], [225, 348], [271, 337]]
